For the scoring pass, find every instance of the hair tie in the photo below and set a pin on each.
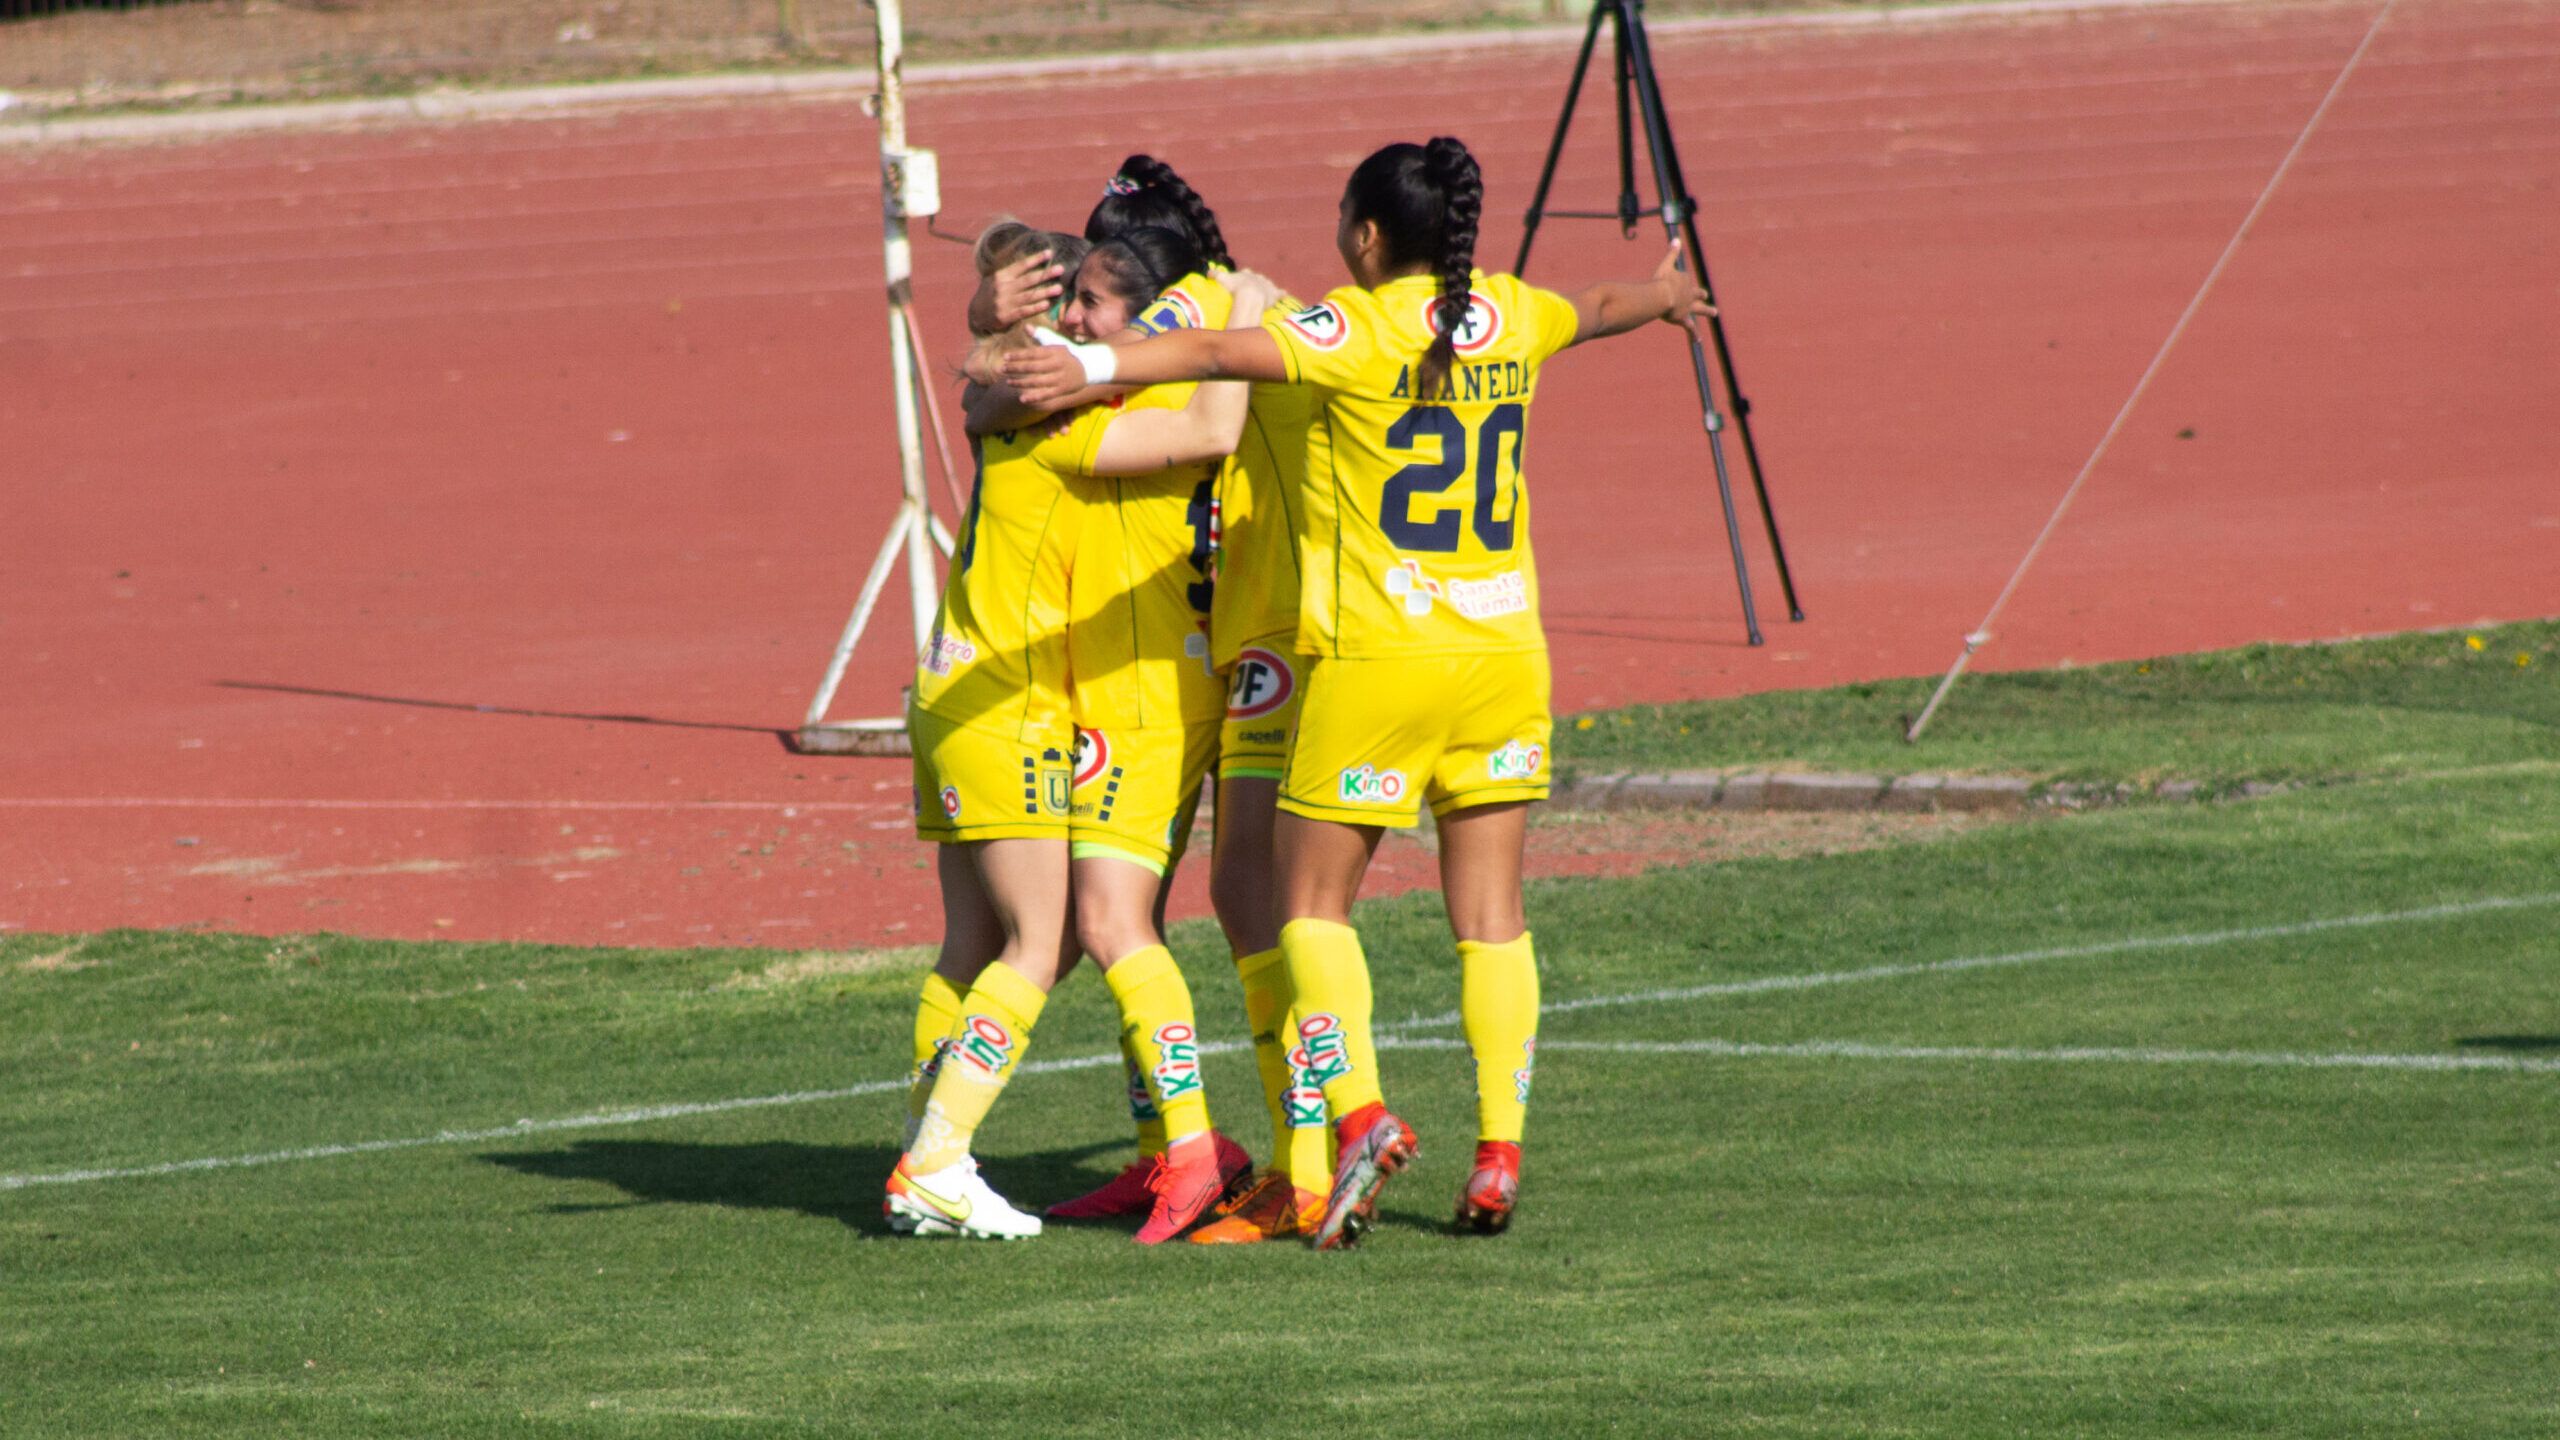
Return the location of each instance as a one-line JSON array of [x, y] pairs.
[[1121, 185]]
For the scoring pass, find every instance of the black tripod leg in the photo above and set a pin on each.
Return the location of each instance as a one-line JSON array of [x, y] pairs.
[[1676, 219], [1629, 209], [1675, 194], [1555, 147]]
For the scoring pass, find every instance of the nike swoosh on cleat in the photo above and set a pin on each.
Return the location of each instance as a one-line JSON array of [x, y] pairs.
[[949, 1210]]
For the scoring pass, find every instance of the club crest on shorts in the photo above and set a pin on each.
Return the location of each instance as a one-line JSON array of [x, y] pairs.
[[1320, 325], [951, 802], [1261, 683], [1178, 1073], [1482, 326], [1369, 785], [1518, 760]]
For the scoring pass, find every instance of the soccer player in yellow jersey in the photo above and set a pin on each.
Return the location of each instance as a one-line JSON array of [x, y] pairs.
[[1427, 676], [995, 742]]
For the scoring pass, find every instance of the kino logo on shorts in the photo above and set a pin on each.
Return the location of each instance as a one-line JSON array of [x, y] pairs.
[[1518, 760], [1327, 1055], [1369, 785], [985, 1043], [1178, 1073], [1263, 683]]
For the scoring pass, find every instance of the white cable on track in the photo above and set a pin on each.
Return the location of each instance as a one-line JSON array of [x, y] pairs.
[[1981, 634]]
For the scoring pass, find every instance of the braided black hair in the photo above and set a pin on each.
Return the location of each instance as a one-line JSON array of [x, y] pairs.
[[1427, 201], [1145, 191], [1143, 261]]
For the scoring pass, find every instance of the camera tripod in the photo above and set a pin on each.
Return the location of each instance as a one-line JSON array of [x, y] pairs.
[[1633, 68]]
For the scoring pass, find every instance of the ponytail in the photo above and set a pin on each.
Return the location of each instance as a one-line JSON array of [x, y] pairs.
[[1146, 191], [1427, 202]]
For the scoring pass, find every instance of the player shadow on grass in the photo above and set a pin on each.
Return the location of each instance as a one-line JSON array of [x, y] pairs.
[[2509, 1042], [833, 1182]]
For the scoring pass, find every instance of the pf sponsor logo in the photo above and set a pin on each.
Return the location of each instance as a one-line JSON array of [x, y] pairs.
[[985, 1043], [1369, 785], [951, 802], [1518, 760], [1320, 325], [1261, 683], [1093, 756], [1482, 326], [1178, 1073], [1327, 1054]]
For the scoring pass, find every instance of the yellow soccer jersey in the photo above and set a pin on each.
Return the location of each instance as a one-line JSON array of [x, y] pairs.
[[1415, 532], [1255, 595], [997, 658], [1139, 590]]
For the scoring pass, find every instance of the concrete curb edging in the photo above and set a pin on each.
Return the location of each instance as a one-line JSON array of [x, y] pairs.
[[524, 101], [1818, 791]]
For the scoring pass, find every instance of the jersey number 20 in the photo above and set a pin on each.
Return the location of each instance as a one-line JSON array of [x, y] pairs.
[[1439, 534]]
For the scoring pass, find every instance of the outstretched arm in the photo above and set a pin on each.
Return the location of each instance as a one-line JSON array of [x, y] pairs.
[[1615, 307], [1139, 442], [1044, 374]]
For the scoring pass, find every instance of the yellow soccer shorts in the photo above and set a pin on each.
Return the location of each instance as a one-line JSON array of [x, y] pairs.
[[1136, 791], [1378, 737], [1262, 711], [974, 784]]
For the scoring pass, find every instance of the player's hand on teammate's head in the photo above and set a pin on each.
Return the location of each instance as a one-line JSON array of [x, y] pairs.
[[1686, 302], [1026, 288], [1253, 291], [1043, 374]]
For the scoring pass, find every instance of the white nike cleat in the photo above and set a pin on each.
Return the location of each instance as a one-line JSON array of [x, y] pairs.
[[953, 1200]]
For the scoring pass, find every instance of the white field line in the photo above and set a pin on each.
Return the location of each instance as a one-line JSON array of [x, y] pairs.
[[2145, 1055], [1392, 1036]]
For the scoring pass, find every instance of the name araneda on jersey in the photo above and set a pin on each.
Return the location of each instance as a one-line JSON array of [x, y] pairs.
[[1492, 380]]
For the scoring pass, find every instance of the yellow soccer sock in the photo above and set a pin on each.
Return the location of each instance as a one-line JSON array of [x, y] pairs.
[[1142, 1106], [937, 1015], [995, 1025], [1498, 1004], [1330, 978], [1301, 1141], [1157, 1027]]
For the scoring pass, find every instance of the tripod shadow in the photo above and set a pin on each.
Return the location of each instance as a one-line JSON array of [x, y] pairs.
[[831, 1182], [2511, 1043]]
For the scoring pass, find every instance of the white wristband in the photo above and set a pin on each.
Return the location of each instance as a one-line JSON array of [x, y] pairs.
[[1097, 360]]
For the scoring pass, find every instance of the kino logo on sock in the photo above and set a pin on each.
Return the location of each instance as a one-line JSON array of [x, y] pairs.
[[1328, 1055], [1142, 1106], [1528, 1065], [987, 1044], [1178, 1073], [1303, 1106]]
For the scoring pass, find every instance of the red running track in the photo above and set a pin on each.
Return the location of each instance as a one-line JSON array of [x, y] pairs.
[[423, 531]]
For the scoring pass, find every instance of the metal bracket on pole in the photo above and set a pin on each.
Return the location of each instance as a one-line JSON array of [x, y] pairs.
[[909, 187]]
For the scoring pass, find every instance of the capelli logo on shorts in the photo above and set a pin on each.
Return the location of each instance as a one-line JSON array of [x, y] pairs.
[[1178, 1073], [985, 1043], [1518, 760], [1369, 785]]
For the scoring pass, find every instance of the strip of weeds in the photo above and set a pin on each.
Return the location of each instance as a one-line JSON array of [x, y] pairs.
[[2402, 704], [1780, 1246]]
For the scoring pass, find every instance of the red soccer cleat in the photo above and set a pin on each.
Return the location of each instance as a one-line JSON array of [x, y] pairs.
[[1371, 1145], [1486, 1201], [1185, 1183], [1127, 1193]]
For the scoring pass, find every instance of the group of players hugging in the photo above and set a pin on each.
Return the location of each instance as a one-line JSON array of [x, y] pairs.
[[1217, 524]]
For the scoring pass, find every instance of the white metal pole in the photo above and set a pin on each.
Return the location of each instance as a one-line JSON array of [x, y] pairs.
[[899, 260]]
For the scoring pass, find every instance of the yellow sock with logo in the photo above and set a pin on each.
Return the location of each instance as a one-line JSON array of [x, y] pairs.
[[1498, 1004], [937, 1015], [1330, 978], [1142, 1106], [1158, 1030], [1301, 1142], [996, 1017]]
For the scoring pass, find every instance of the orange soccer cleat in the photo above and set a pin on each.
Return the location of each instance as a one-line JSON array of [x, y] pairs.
[[1271, 1208]]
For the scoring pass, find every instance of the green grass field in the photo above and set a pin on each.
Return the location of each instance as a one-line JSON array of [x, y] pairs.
[[2105, 1189]]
